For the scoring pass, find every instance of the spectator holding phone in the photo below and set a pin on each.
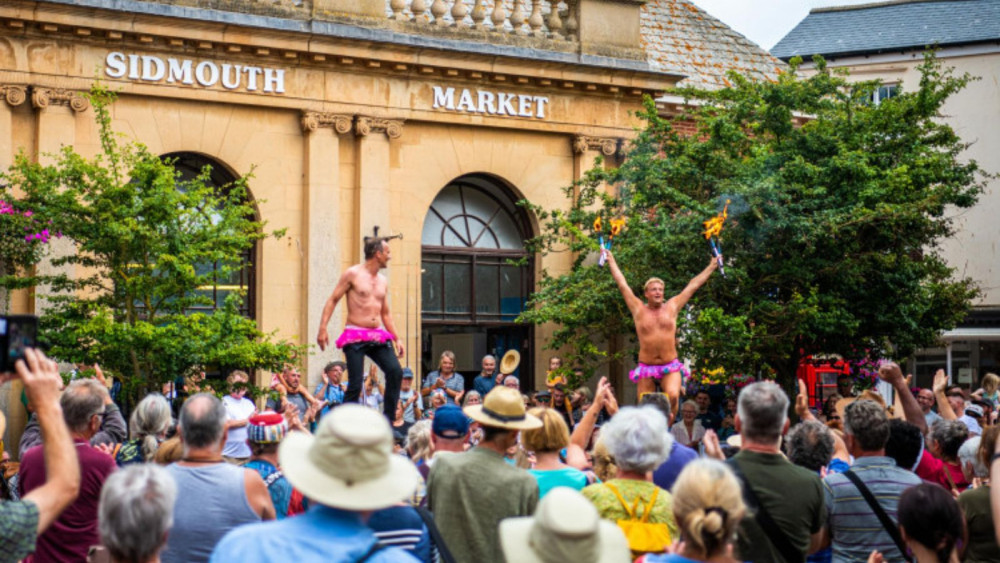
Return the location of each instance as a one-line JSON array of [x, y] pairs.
[[22, 521]]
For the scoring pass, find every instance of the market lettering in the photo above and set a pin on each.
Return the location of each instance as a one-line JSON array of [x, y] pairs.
[[149, 68], [490, 103]]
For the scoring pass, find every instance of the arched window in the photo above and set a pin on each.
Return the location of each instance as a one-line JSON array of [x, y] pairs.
[[190, 165], [472, 234]]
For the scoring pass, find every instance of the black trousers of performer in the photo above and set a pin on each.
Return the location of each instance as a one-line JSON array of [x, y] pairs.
[[384, 357]]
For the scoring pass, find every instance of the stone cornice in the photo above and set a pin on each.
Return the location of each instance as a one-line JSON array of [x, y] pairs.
[[607, 145], [14, 94], [42, 98], [364, 125], [313, 120]]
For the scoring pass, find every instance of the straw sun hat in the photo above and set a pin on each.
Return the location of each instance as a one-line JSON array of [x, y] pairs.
[[565, 527], [503, 407], [349, 463], [508, 364]]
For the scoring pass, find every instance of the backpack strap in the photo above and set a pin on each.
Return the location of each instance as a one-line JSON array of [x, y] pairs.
[[649, 507], [444, 554], [890, 527], [771, 529], [628, 510]]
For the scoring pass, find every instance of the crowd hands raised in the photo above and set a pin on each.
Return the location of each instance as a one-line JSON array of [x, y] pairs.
[[487, 473]]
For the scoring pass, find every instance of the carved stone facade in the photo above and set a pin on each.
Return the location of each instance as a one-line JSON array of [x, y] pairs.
[[364, 125], [313, 120], [42, 98], [607, 146], [14, 94]]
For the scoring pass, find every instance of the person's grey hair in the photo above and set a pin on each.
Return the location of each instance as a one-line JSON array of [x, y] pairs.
[[418, 441], [202, 421], [968, 453], [660, 401], [690, 403], [470, 394], [81, 401], [867, 422], [810, 445], [637, 438], [512, 377], [136, 511], [763, 410], [149, 420], [949, 435], [488, 357]]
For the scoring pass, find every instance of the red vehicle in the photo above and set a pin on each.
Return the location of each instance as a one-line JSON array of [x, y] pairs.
[[821, 378]]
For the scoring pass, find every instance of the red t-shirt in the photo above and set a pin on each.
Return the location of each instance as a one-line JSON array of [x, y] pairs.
[[934, 470], [71, 535]]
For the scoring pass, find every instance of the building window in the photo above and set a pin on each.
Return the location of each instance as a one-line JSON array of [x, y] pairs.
[[884, 92], [190, 165], [475, 267]]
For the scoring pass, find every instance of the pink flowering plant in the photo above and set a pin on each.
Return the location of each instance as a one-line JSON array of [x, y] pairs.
[[24, 237]]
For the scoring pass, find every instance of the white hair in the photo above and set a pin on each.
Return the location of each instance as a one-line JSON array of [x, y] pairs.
[[136, 511], [763, 410], [968, 453], [637, 438], [512, 377]]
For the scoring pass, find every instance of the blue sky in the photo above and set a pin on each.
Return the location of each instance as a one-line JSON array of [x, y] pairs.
[[766, 21]]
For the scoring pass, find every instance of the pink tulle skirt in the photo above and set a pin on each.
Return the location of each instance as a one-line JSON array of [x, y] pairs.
[[643, 371], [354, 334]]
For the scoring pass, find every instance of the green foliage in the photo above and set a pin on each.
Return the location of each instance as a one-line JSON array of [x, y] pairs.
[[832, 243], [146, 245]]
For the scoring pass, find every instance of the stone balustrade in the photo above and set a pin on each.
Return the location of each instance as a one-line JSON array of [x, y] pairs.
[[529, 18]]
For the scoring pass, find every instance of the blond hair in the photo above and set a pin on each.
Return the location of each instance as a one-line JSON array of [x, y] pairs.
[[238, 374], [604, 462], [645, 286], [708, 505], [551, 437], [446, 354], [990, 383]]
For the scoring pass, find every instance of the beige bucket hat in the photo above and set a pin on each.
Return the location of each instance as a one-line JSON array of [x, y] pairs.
[[503, 407], [565, 527], [349, 463], [508, 364]]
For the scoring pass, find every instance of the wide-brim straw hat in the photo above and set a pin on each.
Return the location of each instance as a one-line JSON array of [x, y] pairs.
[[349, 463], [503, 407], [565, 527], [508, 364]]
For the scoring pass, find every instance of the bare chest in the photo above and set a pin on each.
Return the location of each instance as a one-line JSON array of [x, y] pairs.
[[655, 320], [365, 288]]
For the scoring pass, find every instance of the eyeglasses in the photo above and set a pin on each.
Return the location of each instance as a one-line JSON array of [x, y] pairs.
[[544, 399]]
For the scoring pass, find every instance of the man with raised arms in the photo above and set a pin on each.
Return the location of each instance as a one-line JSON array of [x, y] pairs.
[[656, 328], [370, 330]]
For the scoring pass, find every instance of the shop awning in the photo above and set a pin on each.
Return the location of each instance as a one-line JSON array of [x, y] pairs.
[[971, 333]]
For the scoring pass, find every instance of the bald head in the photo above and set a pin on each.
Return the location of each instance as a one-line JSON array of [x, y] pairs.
[[202, 421]]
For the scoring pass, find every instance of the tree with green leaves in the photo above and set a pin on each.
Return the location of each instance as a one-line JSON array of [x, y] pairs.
[[146, 244], [837, 209]]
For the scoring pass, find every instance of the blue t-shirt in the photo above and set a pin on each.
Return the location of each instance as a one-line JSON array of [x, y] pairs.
[[277, 486], [402, 527], [334, 396], [549, 479], [667, 472]]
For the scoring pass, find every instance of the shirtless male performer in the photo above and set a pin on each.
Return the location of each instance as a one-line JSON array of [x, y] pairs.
[[370, 330], [656, 327]]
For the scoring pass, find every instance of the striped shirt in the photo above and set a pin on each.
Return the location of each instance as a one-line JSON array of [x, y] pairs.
[[402, 527], [854, 528]]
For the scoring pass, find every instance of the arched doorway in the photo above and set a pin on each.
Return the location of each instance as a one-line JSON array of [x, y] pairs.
[[189, 165], [476, 276]]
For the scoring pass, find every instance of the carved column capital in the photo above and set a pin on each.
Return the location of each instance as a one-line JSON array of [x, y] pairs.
[[607, 145], [14, 94], [313, 120], [42, 98], [364, 125]]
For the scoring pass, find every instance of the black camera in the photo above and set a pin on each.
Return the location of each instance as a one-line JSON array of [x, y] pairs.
[[17, 332]]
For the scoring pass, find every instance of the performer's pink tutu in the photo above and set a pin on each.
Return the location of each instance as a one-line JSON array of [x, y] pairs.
[[354, 334], [643, 371]]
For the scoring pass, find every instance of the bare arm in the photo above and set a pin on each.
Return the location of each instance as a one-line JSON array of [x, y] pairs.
[[390, 327], [343, 285], [62, 469], [257, 495], [581, 434], [944, 407], [631, 301], [891, 374], [696, 282]]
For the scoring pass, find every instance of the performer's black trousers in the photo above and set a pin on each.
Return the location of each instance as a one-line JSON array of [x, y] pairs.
[[384, 357]]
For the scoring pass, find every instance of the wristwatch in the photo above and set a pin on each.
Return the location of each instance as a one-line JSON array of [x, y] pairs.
[[995, 457]]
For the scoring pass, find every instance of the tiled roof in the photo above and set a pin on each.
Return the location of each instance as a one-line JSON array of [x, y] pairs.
[[891, 26], [680, 37]]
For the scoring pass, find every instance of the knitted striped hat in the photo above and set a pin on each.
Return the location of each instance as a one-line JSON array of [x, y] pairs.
[[267, 427]]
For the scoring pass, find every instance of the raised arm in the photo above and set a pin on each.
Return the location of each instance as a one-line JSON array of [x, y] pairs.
[[343, 285], [631, 301], [891, 374], [696, 282], [944, 407]]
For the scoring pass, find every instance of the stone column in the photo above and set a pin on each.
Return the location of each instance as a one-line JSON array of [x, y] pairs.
[[321, 225], [587, 149], [11, 96], [372, 201], [57, 111]]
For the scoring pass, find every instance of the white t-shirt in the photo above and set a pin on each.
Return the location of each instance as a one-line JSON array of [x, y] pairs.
[[236, 440], [373, 399]]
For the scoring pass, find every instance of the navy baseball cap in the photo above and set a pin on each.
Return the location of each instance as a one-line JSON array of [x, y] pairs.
[[407, 373], [450, 422]]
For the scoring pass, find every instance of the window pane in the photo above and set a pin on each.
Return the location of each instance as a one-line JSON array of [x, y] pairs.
[[431, 288], [487, 239], [507, 232], [457, 296], [447, 203], [487, 290], [451, 238], [511, 297], [432, 230]]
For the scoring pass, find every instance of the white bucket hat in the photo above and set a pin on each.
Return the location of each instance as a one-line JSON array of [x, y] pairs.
[[503, 407], [349, 463], [565, 527]]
